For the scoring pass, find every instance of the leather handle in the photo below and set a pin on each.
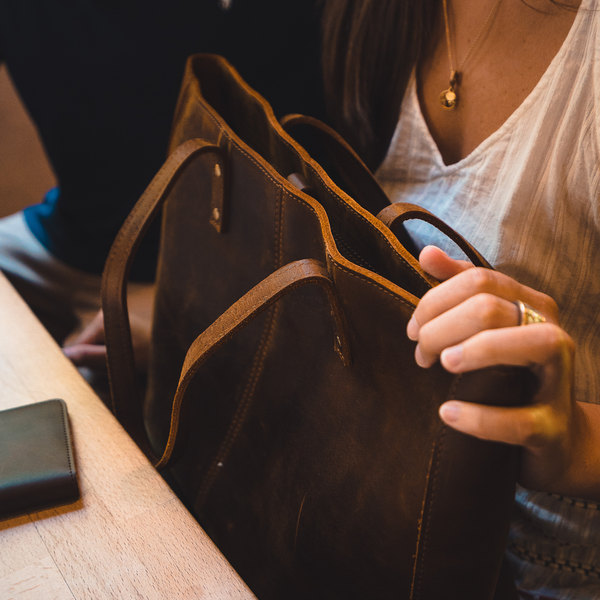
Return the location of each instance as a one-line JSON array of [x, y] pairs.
[[288, 122], [395, 214], [363, 185], [127, 404], [257, 300]]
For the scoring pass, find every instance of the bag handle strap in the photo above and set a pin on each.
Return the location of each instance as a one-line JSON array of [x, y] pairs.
[[126, 401], [355, 172], [372, 197], [395, 214], [257, 300]]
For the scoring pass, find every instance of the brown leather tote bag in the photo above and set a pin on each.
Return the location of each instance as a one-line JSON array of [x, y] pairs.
[[284, 396]]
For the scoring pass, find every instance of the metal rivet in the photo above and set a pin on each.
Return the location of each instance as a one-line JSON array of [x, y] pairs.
[[220, 464], [217, 171], [216, 214]]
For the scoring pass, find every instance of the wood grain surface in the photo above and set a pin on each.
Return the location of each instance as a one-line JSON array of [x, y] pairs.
[[128, 536]]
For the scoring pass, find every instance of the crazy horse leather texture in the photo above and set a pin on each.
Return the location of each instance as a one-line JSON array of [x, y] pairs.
[[304, 437]]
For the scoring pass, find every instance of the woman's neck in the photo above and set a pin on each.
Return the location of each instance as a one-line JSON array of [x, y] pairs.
[[504, 65]]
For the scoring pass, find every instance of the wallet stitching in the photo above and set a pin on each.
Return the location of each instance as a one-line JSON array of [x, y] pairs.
[[67, 436]]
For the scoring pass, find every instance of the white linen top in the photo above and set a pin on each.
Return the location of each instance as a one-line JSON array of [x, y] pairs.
[[528, 199]]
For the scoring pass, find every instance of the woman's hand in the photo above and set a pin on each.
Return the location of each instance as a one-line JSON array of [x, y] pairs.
[[469, 322], [89, 349]]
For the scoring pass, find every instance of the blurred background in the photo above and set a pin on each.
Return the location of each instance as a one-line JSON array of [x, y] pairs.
[[25, 175]]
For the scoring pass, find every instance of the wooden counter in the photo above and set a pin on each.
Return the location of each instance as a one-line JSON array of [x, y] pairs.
[[128, 536]]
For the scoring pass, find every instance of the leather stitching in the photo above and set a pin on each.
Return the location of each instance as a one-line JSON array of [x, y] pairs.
[[257, 369], [241, 412], [371, 282], [328, 190], [334, 259], [331, 193], [420, 527], [430, 511]]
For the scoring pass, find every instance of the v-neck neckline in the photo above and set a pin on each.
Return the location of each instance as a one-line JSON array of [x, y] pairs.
[[516, 115]]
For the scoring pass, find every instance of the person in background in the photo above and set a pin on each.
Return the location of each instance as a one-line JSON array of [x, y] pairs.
[[100, 79], [486, 113]]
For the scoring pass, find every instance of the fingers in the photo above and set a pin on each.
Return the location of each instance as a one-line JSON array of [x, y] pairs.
[[469, 301], [93, 333], [470, 322], [477, 314], [472, 282], [545, 348], [524, 426], [535, 346], [480, 313], [437, 263], [88, 349], [92, 356]]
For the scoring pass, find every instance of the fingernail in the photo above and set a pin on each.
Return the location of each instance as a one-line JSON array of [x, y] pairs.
[[452, 357], [450, 412], [412, 329], [436, 247], [419, 358]]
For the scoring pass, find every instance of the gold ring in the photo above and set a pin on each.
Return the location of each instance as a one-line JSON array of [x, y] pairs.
[[528, 316]]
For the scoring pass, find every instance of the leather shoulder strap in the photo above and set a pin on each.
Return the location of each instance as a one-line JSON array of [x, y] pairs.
[[127, 405]]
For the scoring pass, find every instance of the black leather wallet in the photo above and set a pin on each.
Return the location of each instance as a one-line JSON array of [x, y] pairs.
[[37, 469]]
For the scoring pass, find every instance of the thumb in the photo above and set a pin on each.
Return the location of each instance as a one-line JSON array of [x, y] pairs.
[[437, 263]]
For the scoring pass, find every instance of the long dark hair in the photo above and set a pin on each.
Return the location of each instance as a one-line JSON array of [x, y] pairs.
[[370, 48]]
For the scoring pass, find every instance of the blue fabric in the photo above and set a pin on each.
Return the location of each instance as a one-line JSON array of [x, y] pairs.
[[36, 214]]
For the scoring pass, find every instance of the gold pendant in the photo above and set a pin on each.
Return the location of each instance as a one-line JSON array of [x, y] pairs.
[[449, 98]]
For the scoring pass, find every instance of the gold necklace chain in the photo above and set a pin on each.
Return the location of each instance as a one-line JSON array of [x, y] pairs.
[[449, 97]]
